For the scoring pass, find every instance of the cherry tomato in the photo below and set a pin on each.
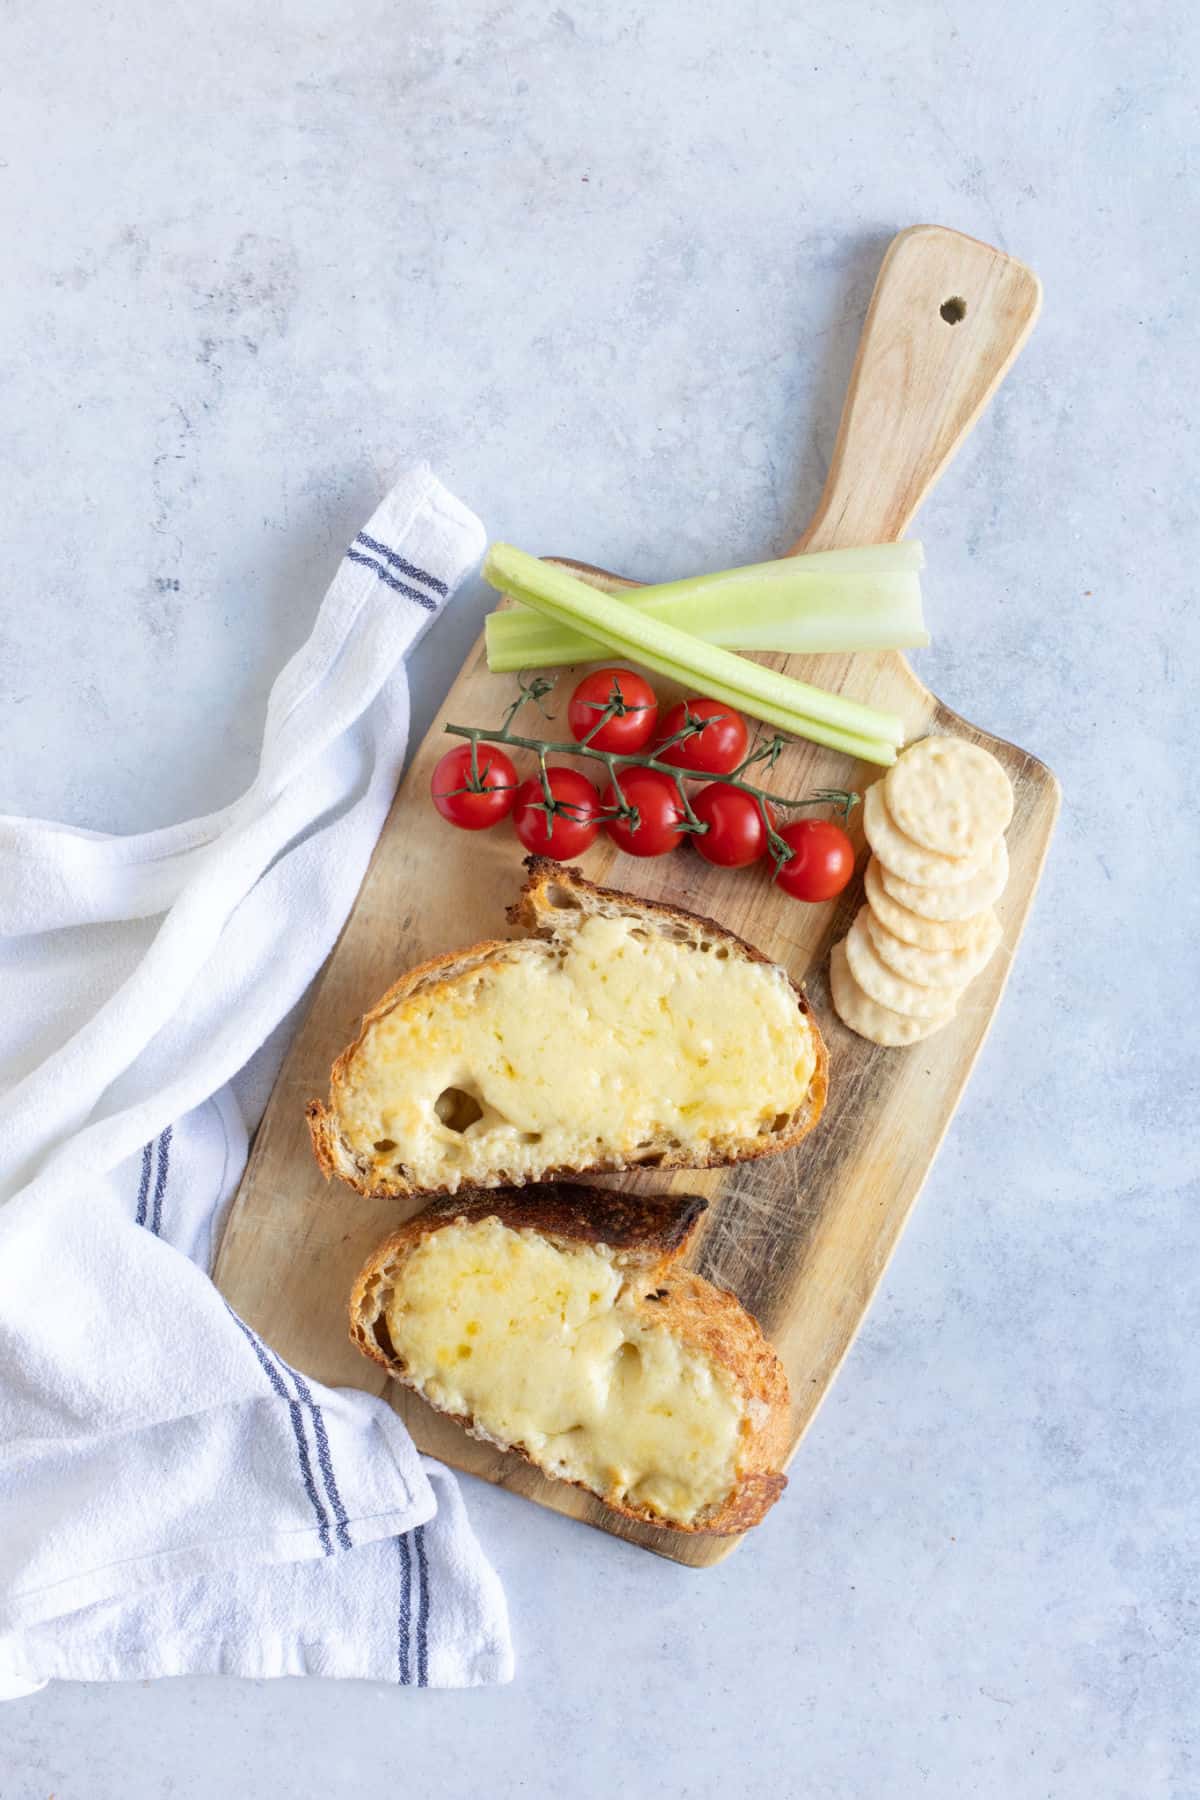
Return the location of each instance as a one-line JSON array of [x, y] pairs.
[[736, 834], [452, 783], [564, 833], [821, 863], [660, 813], [717, 750], [626, 731]]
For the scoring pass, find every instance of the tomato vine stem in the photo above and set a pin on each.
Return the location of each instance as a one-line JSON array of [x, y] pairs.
[[842, 800]]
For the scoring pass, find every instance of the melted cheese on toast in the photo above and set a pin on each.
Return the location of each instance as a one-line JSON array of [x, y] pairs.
[[610, 1046], [546, 1348]]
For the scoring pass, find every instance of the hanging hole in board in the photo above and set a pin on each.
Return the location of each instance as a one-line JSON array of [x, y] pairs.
[[953, 310]]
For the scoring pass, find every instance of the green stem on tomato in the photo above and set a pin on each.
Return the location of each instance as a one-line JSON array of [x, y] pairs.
[[839, 798]]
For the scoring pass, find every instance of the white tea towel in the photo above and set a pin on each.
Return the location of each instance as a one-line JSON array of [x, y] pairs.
[[404, 1609], [173, 1497]]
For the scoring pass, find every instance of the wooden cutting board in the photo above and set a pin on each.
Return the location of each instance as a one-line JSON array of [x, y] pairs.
[[804, 1237]]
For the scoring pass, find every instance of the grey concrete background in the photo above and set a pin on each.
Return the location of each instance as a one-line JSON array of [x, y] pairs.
[[605, 267]]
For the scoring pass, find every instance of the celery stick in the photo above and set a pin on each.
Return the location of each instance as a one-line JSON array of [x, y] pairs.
[[661, 647], [797, 610], [864, 599]]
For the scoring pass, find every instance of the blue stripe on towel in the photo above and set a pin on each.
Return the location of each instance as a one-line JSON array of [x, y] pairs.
[[422, 1610], [144, 1188], [297, 1420], [160, 1184], [324, 1456], [404, 1627], [401, 587], [402, 564]]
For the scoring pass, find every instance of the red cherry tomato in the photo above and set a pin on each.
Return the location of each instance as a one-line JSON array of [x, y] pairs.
[[821, 863], [717, 750], [736, 834], [471, 805], [660, 812], [630, 728], [563, 833]]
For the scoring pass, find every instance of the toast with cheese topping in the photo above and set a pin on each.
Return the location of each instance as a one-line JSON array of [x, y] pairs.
[[553, 1321], [619, 1034]]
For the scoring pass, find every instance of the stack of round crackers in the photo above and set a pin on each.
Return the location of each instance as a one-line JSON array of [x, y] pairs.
[[936, 826]]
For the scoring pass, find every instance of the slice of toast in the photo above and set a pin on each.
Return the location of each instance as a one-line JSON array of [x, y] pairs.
[[622, 1033], [554, 1322]]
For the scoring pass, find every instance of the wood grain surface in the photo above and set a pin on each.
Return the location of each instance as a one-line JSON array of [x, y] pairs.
[[801, 1238]]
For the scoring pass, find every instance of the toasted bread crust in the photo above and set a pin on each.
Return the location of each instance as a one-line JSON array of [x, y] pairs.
[[530, 912], [644, 1228], [534, 901], [648, 1234]]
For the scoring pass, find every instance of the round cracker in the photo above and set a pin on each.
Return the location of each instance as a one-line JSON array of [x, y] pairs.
[[951, 903], [884, 986], [899, 853], [911, 928], [930, 968], [878, 1024], [949, 796]]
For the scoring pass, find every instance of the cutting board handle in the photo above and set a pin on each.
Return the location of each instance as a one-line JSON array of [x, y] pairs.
[[946, 319]]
